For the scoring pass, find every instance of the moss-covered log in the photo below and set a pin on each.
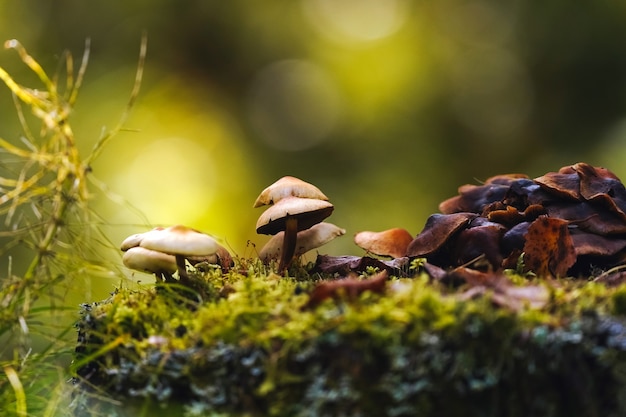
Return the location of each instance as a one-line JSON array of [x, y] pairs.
[[248, 347]]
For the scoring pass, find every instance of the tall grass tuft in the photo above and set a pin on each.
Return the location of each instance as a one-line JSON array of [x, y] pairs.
[[47, 233]]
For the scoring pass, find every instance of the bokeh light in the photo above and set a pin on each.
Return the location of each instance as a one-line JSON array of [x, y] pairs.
[[294, 105], [356, 20]]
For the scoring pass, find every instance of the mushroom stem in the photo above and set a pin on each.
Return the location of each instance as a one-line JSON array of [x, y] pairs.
[[182, 269], [289, 243]]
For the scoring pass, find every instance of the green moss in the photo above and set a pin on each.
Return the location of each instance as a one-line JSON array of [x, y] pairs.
[[243, 344], [618, 301]]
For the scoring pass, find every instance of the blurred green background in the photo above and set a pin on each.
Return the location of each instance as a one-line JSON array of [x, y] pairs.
[[386, 105]]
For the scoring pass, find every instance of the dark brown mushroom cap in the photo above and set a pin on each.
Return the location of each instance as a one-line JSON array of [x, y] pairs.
[[595, 245], [438, 229], [563, 184], [565, 222], [514, 238], [524, 191], [307, 211], [589, 217], [597, 180], [473, 198], [482, 240]]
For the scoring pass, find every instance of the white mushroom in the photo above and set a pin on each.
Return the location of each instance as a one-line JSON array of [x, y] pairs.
[[141, 259], [180, 241], [288, 187], [306, 240], [134, 240]]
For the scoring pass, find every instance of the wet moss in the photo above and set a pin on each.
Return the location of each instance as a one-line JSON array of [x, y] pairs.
[[242, 344]]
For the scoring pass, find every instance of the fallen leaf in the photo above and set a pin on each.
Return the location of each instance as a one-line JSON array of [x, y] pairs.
[[347, 288], [472, 277], [517, 298], [549, 250]]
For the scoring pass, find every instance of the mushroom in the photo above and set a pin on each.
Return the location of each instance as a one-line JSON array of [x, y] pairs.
[[306, 240], [134, 240], [392, 242], [291, 215], [288, 187], [141, 259], [180, 241]]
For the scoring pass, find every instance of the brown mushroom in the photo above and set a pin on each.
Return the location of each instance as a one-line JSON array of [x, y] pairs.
[[392, 242], [288, 187], [291, 215], [438, 229]]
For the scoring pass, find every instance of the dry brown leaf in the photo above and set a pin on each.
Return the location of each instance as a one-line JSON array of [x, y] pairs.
[[549, 250], [348, 288]]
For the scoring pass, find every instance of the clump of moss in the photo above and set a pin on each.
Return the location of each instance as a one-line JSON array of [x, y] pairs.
[[247, 346]]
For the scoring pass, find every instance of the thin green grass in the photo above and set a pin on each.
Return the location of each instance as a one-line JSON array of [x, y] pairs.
[[50, 238]]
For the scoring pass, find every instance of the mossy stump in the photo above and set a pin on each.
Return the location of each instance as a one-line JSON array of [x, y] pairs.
[[242, 344]]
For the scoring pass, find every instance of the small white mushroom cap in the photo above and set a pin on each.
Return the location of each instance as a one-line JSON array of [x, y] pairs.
[[309, 239], [288, 187], [134, 240], [180, 240], [146, 260]]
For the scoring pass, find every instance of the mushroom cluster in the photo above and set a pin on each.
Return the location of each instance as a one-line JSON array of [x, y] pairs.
[[163, 251], [564, 222], [295, 218]]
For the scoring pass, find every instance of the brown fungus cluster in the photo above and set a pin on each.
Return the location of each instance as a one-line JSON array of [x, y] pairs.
[[568, 222]]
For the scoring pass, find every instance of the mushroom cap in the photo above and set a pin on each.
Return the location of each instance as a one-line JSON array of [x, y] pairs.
[[308, 212], [147, 260], [135, 240], [392, 242], [288, 187], [180, 240], [438, 230], [309, 239]]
